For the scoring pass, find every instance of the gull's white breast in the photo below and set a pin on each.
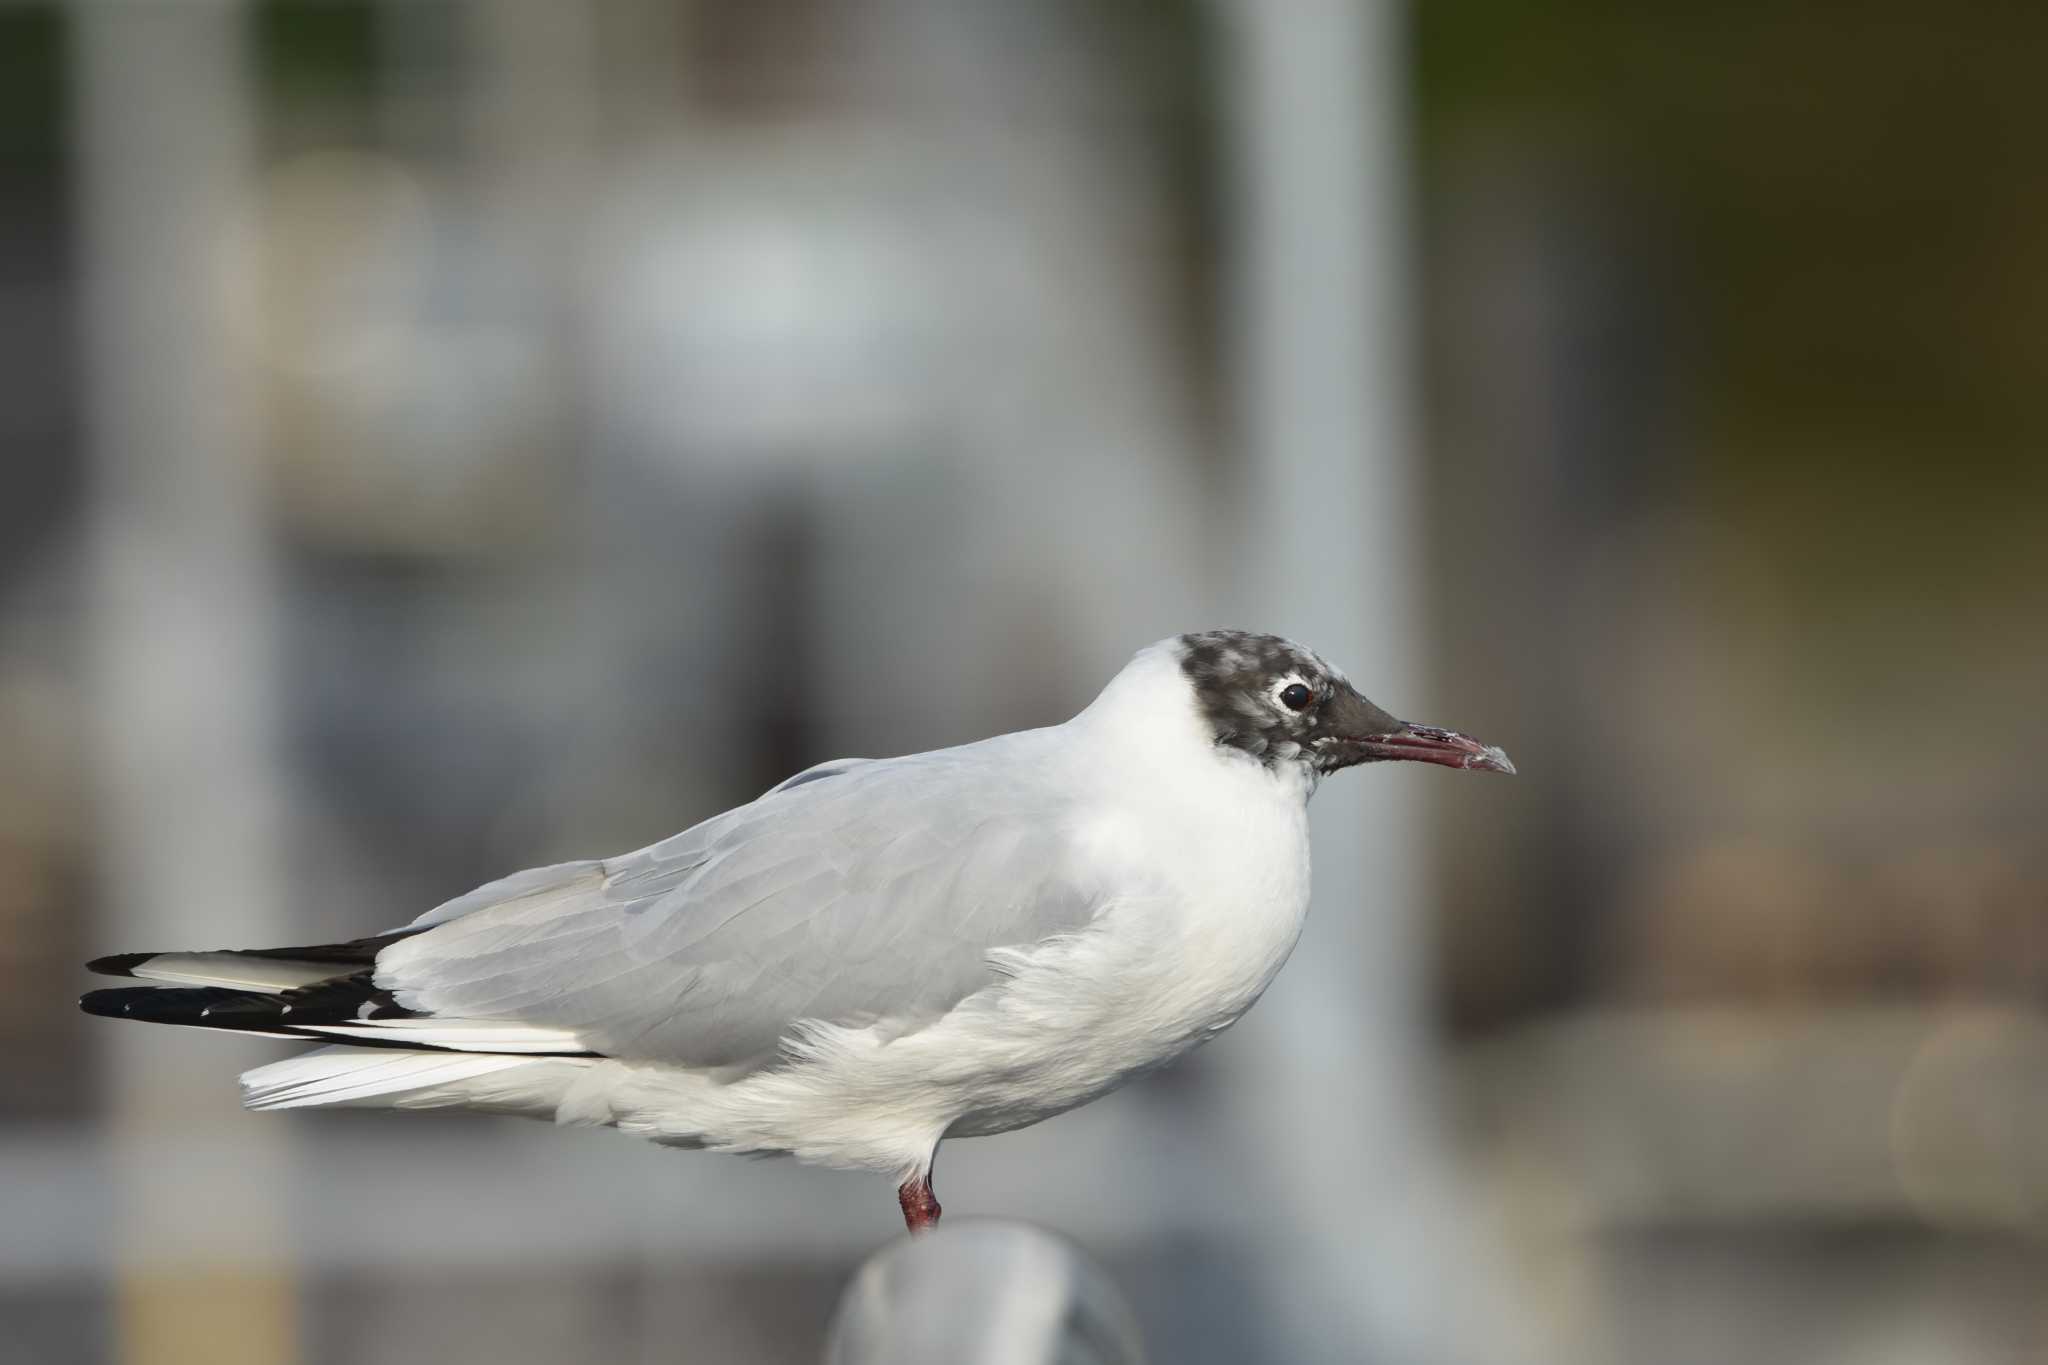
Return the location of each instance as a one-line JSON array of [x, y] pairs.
[[1203, 861]]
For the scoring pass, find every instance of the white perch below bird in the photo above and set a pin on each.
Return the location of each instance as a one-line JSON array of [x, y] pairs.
[[871, 957]]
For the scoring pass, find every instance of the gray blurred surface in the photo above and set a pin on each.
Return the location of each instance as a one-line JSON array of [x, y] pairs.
[[982, 1292]]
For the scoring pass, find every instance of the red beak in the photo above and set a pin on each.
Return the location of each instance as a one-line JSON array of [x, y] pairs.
[[1428, 744]]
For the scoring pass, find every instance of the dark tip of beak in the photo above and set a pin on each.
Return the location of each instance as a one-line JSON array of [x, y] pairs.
[[1428, 744]]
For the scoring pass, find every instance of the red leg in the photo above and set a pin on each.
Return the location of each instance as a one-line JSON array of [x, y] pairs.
[[920, 1205]]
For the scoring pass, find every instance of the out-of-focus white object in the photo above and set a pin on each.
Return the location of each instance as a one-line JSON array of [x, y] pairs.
[[982, 1292]]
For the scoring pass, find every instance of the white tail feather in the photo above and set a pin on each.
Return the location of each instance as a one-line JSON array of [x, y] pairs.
[[390, 1078]]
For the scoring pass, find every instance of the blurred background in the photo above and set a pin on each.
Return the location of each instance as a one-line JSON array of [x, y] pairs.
[[445, 436]]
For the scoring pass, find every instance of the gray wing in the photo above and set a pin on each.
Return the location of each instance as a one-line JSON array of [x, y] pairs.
[[856, 893]]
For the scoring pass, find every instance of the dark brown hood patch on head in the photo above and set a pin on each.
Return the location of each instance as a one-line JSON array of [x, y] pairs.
[[1234, 674]]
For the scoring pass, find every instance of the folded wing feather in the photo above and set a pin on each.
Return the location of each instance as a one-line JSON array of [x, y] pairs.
[[870, 893]]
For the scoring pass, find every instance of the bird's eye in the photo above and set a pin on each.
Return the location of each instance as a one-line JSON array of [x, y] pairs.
[[1296, 697]]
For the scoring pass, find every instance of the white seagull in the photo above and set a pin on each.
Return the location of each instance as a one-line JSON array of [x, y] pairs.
[[869, 958]]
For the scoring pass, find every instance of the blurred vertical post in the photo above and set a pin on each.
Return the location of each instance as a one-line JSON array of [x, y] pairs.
[[190, 789], [1367, 1263]]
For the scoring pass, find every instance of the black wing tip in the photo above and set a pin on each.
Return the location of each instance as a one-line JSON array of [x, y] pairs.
[[113, 1003], [340, 1001], [118, 964], [210, 1006]]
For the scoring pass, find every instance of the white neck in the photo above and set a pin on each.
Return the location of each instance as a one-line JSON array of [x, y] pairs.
[[1146, 724]]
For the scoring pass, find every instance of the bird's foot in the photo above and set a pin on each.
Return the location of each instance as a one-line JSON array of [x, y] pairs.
[[920, 1205]]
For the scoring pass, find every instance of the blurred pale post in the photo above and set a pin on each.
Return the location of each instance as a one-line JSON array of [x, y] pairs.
[[190, 790], [1331, 1079], [982, 1292]]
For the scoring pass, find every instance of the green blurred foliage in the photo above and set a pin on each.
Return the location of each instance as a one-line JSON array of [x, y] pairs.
[[1850, 207], [32, 66], [1855, 194]]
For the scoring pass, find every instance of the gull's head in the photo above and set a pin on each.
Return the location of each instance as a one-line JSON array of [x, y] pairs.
[[1273, 701]]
